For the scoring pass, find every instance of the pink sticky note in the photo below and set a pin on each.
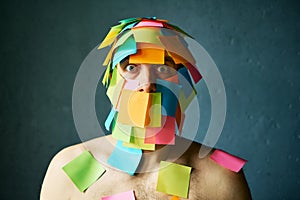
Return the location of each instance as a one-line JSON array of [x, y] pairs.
[[149, 23], [194, 72], [131, 85], [227, 160], [162, 135], [121, 196], [173, 79]]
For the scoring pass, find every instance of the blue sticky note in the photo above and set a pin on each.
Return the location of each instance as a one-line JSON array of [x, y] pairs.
[[185, 81], [125, 159], [169, 96], [109, 119], [126, 49]]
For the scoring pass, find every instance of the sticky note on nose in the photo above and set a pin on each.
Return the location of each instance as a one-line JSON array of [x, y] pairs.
[[133, 108]]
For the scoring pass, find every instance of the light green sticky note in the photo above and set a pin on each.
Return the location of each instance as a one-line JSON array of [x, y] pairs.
[[155, 110], [173, 179], [84, 170], [137, 140], [115, 87], [148, 35], [121, 132]]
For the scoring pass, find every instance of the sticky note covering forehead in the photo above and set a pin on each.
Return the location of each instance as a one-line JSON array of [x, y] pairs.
[[173, 179], [148, 54], [84, 170]]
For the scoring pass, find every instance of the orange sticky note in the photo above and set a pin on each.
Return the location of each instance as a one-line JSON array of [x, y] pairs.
[[148, 54], [133, 108], [175, 198]]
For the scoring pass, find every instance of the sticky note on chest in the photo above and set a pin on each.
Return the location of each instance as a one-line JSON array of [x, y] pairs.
[[121, 196], [173, 179], [84, 170]]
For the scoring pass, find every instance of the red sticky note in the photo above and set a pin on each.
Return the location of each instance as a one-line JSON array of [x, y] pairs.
[[227, 160], [121, 196], [194, 72], [149, 23], [162, 135]]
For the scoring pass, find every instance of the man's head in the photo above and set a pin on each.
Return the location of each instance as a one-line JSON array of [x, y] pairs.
[[148, 81]]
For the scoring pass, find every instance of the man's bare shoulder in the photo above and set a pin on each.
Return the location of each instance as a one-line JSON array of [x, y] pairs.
[[211, 180], [56, 183]]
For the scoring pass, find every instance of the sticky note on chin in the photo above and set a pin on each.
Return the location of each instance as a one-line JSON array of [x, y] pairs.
[[133, 108], [227, 160]]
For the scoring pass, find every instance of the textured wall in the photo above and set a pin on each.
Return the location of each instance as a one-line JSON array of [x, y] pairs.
[[254, 43]]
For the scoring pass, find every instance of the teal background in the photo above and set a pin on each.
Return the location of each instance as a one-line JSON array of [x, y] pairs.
[[254, 43]]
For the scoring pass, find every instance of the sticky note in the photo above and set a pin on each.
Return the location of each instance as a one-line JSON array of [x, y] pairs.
[[137, 140], [155, 110], [125, 159], [129, 195], [123, 39], [174, 46], [185, 81], [173, 179], [162, 135], [194, 72], [126, 49], [227, 160], [133, 108], [109, 119], [84, 170], [145, 54], [169, 99], [115, 87], [112, 34], [184, 102], [122, 132], [149, 23], [147, 35], [175, 198]]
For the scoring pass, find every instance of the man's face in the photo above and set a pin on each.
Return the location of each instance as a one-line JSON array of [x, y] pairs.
[[147, 74]]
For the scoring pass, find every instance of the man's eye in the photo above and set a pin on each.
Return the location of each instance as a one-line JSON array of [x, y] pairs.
[[130, 68], [163, 69]]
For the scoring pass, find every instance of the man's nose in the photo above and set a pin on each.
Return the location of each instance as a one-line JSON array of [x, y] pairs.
[[147, 87], [147, 79]]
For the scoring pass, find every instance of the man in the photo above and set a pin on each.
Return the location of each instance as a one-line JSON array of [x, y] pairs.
[[149, 85]]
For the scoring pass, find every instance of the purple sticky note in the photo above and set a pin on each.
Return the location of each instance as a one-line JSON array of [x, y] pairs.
[[227, 160], [121, 196]]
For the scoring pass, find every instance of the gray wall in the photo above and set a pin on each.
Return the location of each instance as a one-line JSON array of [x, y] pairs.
[[254, 43]]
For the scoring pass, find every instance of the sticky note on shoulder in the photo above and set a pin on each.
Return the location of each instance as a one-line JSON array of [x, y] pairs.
[[227, 160], [129, 195], [173, 179], [84, 170]]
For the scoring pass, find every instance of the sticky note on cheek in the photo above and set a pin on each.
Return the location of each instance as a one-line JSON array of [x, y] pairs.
[[227, 160], [84, 170]]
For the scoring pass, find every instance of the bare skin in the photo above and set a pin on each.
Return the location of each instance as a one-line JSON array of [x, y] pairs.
[[208, 179]]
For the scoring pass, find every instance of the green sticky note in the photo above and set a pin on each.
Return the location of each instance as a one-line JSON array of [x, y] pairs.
[[155, 110], [121, 132], [84, 170], [137, 140], [173, 179]]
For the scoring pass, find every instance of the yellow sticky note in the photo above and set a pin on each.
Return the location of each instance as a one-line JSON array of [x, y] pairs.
[[147, 35], [115, 87], [121, 132], [148, 54], [133, 108], [137, 140], [155, 110], [173, 179], [185, 102]]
